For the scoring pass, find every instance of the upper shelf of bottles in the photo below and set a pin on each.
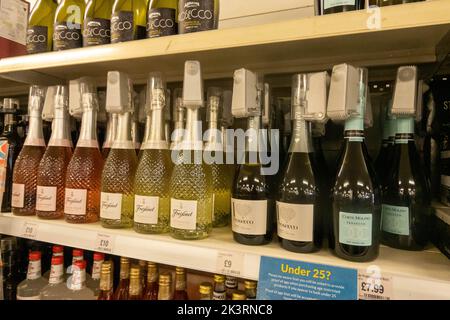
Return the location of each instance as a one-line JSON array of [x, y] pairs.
[[408, 34]]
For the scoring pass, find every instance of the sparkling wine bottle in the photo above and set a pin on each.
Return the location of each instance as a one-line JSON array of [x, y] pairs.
[[97, 24], [128, 20], [162, 18], [68, 23], [179, 118], [111, 131], [40, 27]]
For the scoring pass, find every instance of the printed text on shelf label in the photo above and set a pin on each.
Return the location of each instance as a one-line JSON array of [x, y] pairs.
[[230, 263], [30, 230], [104, 243]]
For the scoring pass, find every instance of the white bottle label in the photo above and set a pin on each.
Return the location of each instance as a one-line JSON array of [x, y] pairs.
[[249, 216], [56, 274], [327, 4], [18, 195], [355, 229], [97, 269], [111, 206], [75, 201], [295, 221], [46, 198], [146, 209], [183, 214], [34, 270], [220, 295]]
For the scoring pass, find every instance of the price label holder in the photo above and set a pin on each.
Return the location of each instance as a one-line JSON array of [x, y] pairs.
[[29, 230], [374, 285], [230, 263], [104, 243]]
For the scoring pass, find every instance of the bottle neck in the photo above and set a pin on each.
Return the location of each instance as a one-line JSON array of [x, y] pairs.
[[180, 282], [35, 134], [97, 269], [56, 274], [106, 282], [61, 129], [88, 130], [192, 139], [301, 140], [123, 138], [253, 134], [34, 270], [135, 134], [152, 277], [124, 272], [111, 129], [155, 131], [135, 287], [164, 293], [405, 131]]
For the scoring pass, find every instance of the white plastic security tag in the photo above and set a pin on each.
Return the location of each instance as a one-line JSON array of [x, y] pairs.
[[48, 113], [316, 97], [75, 107], [344, 92], [193, 95], [405, 93], [245, 94], [227, 117], [118, 93]]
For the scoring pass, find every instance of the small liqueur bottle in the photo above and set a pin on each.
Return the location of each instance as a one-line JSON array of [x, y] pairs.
[[206, 291], [220, 292], [77, 284], [31, 287], [239, 295], [93, 282], [56, 287], [250, 289], [135, 290], [106, 282], [231, 285], [165, 286], [151, 289], [123, 288], [180, 284]]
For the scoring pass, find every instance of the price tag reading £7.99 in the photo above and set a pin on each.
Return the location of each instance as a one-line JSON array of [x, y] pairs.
[[373, 285], [230, 263], [104, 243], [29, 230]]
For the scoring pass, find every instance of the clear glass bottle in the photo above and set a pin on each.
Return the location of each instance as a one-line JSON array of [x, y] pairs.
[[68, 24], [106, 282], [135, 289], [180, 284], [151, 288], [53, 166], [250, 289], [220, 292], [56, 288], [40, 27], [123, 288], [93, 282], [77, 283], [206, 291], [83, 177], [31, 287], [165, 286], [111, 131], [152, 179], [23, 200], [77, 255]]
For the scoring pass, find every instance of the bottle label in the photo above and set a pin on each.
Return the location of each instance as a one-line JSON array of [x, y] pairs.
[[196, 15], [46, 198], [18, 195], [75, 201], [161, 22], [111, 206], [295, 221], [355, 229], [183, 214], [34, 270], [395, 219], [37, 39], [249, 216], [67, 37], [327, 4], [220, 295], [146, 209], [60, 143], [96, 31], [56, 274], [122, 26], [96, 270]]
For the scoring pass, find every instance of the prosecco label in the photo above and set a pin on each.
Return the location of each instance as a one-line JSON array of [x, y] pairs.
[[146, 209], [18, 195], [355, 229], [295, 221], [46, 198], [327, 4], [196, 15], [111, 205], [75, 201], [37, 38], [183, 214], [161, 22], [249, 216], [96, 32], [395, 219], [67, 37], [122, 26]]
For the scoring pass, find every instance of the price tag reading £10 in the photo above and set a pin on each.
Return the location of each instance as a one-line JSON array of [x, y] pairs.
[[29, 230], [104, 243], [230, 263]]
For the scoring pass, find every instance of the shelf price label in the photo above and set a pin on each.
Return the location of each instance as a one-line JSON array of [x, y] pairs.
[[104, 243], [230, 263], [29, 230], [373, 285]]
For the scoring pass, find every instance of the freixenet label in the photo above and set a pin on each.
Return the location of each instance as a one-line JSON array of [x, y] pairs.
[[96, 32], [46, 198], [18, 195], [37, 37], [295, 221], [355, 229], [161, 22], [67, 37], [146, 209], [122, 26], [183, 214], [249, 216], [111, 205], [75, 201], [196, 15]]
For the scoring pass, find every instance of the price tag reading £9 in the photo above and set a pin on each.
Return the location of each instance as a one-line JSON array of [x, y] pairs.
[[104, 243], [230, 263], [29, 230], [374, 285]]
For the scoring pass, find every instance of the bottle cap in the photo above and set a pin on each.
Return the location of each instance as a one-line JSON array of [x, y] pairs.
[[180, 270], [57, 249], [135, 272], [57, 260], [34, 256], [10, 104], [248, 284], [77, 252], [124, 260], [205, 288], [61, 98], [165, 279], [98, 256], [239, 295], [80, 264], [219, 278], [193, 85]]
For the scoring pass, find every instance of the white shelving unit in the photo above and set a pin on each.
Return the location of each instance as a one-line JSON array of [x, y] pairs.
[[415, 275]]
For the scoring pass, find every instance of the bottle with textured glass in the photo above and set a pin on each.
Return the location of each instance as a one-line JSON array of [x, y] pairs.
[[151, 184], [190, 186], [206, 291], [117, 197], [123, 288], [220, 292], [198, 15], [406, 199], [56, 287], [135, 289], [23, 200], [97, 24], [52, 168], [111, 131], [83, 177], [162, 18], [179, 115], [40, 27], [77, 284], [250, 289], [68, 24], [180, 284], [93, 282], [128, 20], [214, 151], [165, 286], [106, 282], [151, 289], [31, 287], [356, 197]]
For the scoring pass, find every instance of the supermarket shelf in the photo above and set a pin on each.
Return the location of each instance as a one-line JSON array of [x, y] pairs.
[[416, 275], [290, 46]]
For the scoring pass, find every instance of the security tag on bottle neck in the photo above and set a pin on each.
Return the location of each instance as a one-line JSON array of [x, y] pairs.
[[48, 112], [82, 96], [36, 99], [227, 117], [404, 102], [193, 96], [245, 101], [119, 93], [75, 107], [364, 101], [214, 104], [343, 98]]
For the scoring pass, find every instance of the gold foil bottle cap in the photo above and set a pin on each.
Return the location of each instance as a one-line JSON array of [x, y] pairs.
[[165, 279], [106, 267], [205, 288], [135, 272], [239, 295], [248, 284], [180, 270], [124, 260], [219, 278]]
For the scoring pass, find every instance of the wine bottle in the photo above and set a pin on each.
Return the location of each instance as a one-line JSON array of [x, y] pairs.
[[151, 184], [162, 18], [97, 24], [40, 27], [135, 136], [67, 33], [111, 131], [117, 196], [190, 185], [356, 195], [406, 200], [83, 177], [179, 115], [151, 289], [122, 290], [128, 20], [10, 146], [198, 15], [336, 6], [222, 176], [251, 203], [27, 163], [51, 177], [298, 200]]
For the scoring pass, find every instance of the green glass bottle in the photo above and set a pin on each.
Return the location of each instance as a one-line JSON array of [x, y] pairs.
[[97, 24], [40, 27], [198, 15], [68, 23], [128, 20], [162, 18]]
